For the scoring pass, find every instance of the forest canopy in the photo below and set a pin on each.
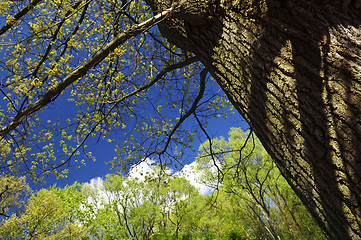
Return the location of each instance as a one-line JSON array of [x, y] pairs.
[[162, 204]]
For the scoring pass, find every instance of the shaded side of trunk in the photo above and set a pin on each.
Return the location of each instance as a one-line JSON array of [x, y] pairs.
[[293, 70]]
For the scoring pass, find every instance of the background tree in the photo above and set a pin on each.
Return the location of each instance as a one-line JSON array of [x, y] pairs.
[[75, 223], [43, 216], [13, 193], [252, 189], [158, 205], [154, 207]]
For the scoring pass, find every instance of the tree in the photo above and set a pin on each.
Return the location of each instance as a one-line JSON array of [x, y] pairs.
[[79, 53], [252, 190], [42, 218], [153, 208], [13, 193], [156, 207], [291, 68], [75, 223], [48, 214]]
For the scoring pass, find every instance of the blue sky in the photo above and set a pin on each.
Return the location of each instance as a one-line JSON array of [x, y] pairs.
[[104, 151]]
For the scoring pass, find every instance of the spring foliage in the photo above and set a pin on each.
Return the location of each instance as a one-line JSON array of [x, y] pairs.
[[259, 204], [135, 96]]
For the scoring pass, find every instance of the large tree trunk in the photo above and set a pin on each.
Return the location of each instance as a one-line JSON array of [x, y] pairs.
[[292, 68]]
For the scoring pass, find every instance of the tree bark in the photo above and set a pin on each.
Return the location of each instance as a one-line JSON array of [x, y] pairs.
[[293, 70]]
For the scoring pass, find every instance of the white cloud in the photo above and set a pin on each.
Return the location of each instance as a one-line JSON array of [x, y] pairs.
[[146, 167], [189, 172], [192, 174], [95, 191], [95, 182], [142, 169]]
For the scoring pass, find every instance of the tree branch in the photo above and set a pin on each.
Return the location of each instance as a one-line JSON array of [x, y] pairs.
[[82, 70], [203, 75], [219, 170], [55, 35], [17, 16], [115, 103]]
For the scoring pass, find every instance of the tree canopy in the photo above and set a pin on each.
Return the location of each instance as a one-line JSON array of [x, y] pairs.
[[159, 204], [116, 81]]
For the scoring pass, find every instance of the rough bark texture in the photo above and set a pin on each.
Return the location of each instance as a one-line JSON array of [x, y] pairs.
[[292, 68]]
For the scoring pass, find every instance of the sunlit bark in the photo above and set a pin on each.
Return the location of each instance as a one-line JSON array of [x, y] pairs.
[[292, 69]]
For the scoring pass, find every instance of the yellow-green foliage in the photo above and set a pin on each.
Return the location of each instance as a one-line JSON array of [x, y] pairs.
[[252, 190], [13, 192], [42, 210], [113, 102]]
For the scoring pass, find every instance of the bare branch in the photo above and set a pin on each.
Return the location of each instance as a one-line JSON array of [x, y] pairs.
[[219, 170], [203, 75]]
